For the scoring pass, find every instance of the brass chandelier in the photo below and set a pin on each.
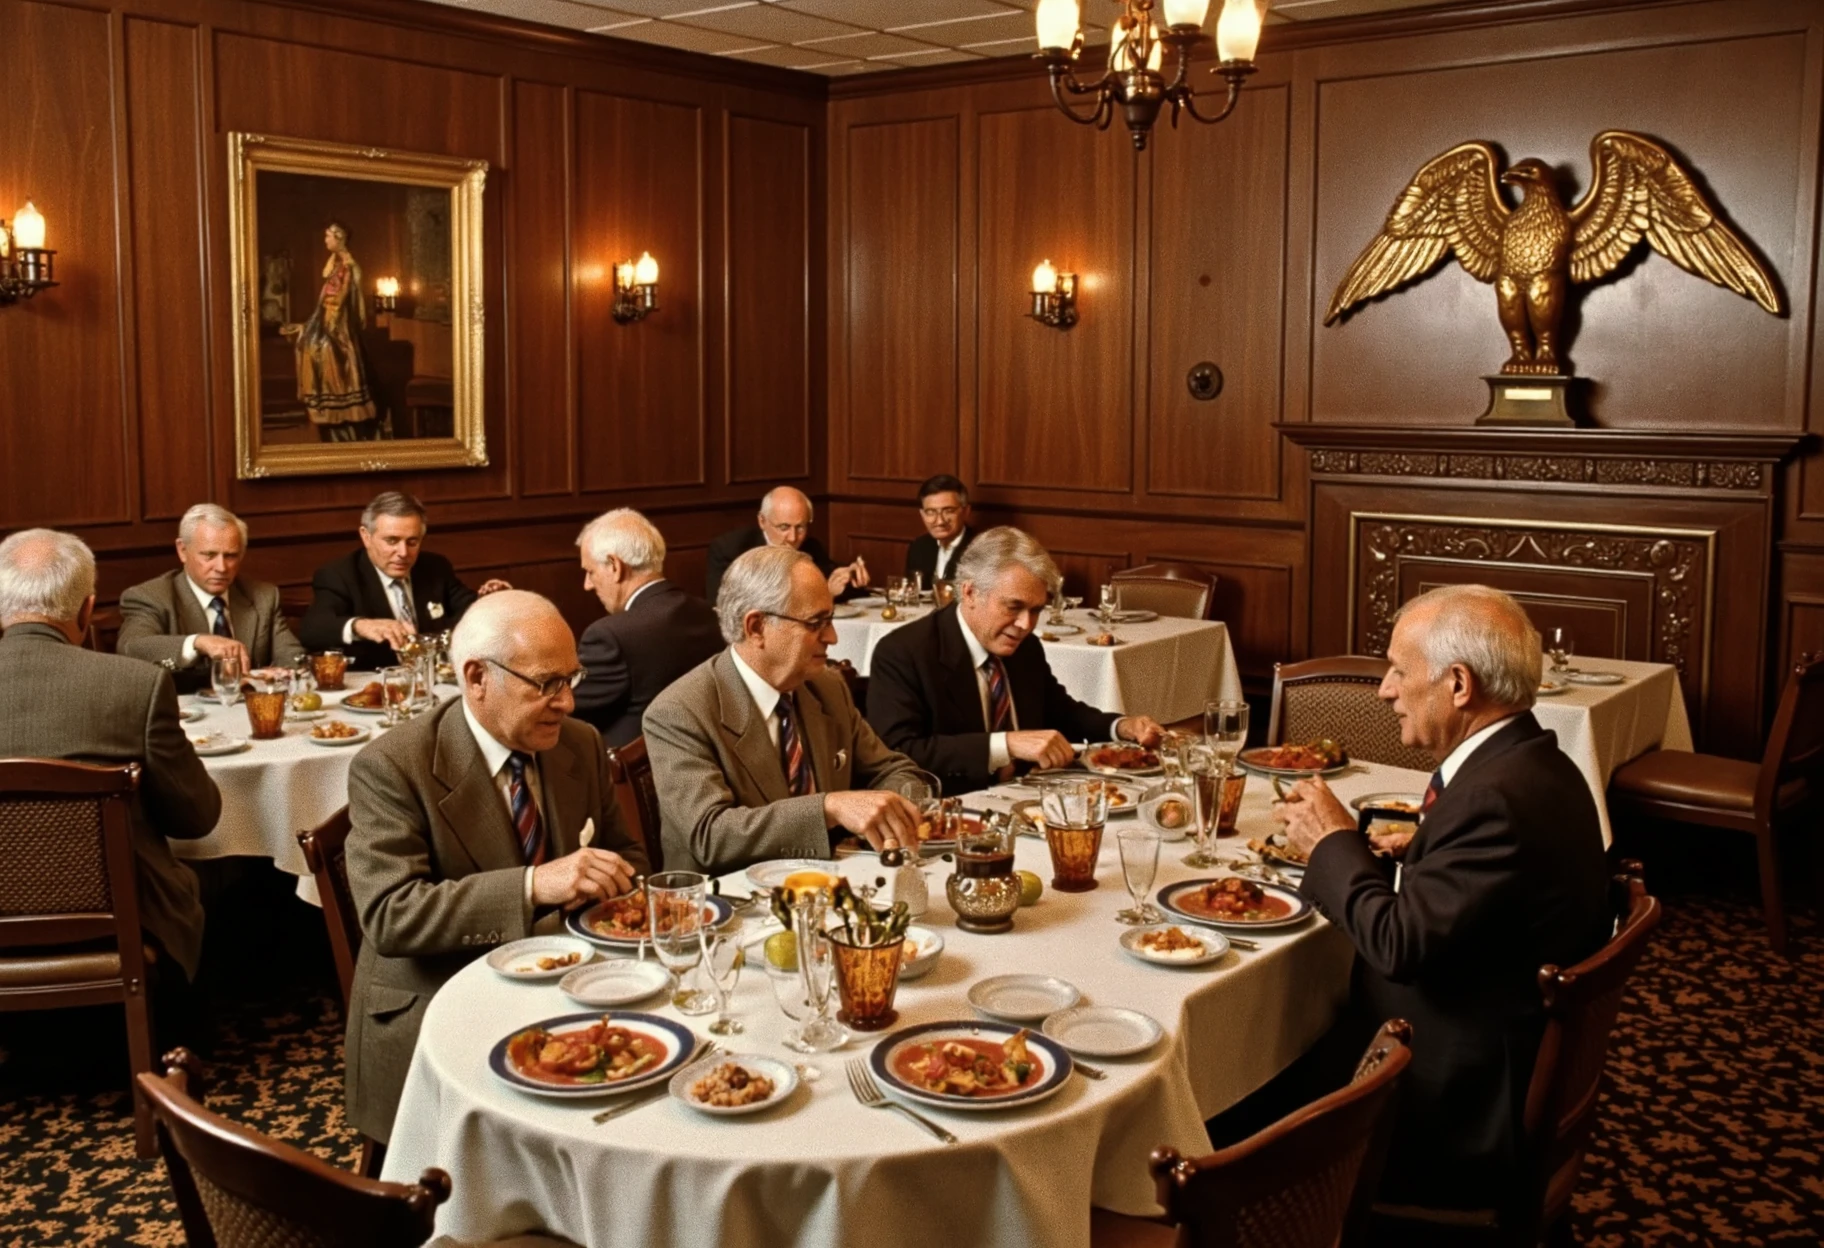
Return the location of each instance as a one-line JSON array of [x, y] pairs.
[[1134, 80]]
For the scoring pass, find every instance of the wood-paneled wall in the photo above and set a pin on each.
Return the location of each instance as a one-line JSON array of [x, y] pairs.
[[116, 390]]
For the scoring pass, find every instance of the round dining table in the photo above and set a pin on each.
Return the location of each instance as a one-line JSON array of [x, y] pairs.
[[821, 1170]]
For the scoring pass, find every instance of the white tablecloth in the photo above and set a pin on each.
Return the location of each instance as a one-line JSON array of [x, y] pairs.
[[821, 1171], [1166, 668], [1603, 726]]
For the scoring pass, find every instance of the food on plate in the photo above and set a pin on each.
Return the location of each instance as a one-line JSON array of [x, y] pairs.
[[597, 1053], [1313, 756], [1118, 798], [1404, 808], [372, 696], [1048, 636], [1284, 853], [908, 952], [731, 1085], [1234, 900], [553, 962], [334, 730], [1173, 812], [968, 1066], [1171, 942], [809, 881], [1103, 639], [1123, 757], [626, 917]]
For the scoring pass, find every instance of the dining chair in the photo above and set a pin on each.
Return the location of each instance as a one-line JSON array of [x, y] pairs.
[[857, 683], [69, 900], [1761, 799], [1304, 1182], [103, 631], [1179, 590], [294, 601], [1338, 697], [630, 770]]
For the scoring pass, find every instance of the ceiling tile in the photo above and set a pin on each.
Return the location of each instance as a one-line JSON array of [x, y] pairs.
[[1007, 24], [690, 38], [564, 13], [888, 14], [866, 45], [656, 8], [768, 23], [1311, 10], [933, 56], [786, 57], [839, 69]]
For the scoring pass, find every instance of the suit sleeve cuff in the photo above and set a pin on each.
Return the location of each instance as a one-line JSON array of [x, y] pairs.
[[998, 754], [529, 905], [189, 651]]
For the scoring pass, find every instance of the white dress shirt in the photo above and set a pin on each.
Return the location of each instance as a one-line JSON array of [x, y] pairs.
[[766, 698], [1448, 769], [203, 599], [635, 595], [496, 756], [945, 551], [386, 584], [998, 755]]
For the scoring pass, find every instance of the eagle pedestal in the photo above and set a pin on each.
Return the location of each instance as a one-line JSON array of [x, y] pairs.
[[1528, 402]]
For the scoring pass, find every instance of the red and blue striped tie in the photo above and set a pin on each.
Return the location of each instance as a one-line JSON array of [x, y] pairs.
[[1000, 703], [1433, 792], [798, 776], [526, 822]]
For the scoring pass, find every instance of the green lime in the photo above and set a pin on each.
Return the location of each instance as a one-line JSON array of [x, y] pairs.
[[309, 702], [782, 951], [1031, 888]]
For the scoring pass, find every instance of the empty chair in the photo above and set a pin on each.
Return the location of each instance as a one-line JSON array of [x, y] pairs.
[[1761, 799], [1339, 697], [631, 773], [1180, 590]]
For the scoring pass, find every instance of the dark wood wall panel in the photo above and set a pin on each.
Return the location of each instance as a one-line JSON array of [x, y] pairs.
[[543, 384]]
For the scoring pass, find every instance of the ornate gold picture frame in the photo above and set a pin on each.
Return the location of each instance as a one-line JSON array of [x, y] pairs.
[[358, 334]]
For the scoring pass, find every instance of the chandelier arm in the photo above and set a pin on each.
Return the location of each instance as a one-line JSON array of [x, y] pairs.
[[1060, 83], [1189, 99]]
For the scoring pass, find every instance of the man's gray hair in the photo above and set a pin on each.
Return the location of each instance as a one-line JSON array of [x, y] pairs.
[[998, 549], [782, 491], [626, 535], [44, 573], [1488, 632], [208, 513], [760, 580], [486, 628], [393, 503]]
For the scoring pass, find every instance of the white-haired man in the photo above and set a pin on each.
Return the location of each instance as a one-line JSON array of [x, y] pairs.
[[1505, 873], [478, 823], [784, 520], [204, 609], [58, 700], [967, 693], [653, 633], [760, 752]]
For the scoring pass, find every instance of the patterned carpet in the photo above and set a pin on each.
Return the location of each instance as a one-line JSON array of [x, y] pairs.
[[1711, 1133]]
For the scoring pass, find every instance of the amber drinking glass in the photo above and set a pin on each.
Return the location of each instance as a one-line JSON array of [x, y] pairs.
[[266, 709], [867, 976], [330, 666], [1232, 788], [1075, 813]]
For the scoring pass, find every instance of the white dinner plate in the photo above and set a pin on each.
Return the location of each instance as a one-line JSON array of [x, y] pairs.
[[1059, 630], [766, 876], [1103, 1031], [872, 600], [1136, 616], [930, 948], [1551, 686], [846, 611], [1023, 998], [1052, 1060], [519, 959], [190, 714], [215, 744], [615, 981], [303, 717], [1595, 678], [1215, 945], [1088, 757], [1297, 908], [362, 710], [783, 1075], [675, 1041], [364, 734]]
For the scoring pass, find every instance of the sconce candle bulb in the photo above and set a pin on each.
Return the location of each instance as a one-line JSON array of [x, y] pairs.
[[1054, 297], [1057, 21], [25, 262], [646, 270], [386, 294], [28, 228], [636, 288], [1186, 12], [1238, 32]]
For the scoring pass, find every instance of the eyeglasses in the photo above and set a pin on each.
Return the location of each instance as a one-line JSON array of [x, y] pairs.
[[548, 688], [817, 623], [789, 528], [940, 513]]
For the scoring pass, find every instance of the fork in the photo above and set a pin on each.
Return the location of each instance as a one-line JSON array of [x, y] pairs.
[[862, 1084], [632, 1103]]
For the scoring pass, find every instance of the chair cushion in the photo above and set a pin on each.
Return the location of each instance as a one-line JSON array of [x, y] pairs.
[[51, 968], [1118, 1230], [1690, 779]]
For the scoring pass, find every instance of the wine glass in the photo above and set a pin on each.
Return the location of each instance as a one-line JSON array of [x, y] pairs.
[[225, 678], [674, 906], [817, 969], [722, 963], [1561, 646], [1057, 606], [1171, 754], [1106, 608], [1139, 865], [1206, 773]]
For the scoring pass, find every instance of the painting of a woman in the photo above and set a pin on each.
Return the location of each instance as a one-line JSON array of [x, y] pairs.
[[332, 372]]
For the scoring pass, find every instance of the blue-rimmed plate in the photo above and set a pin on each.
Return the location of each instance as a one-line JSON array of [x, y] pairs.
[[675, 1041], [582, 923], [1180, 901], [1053, 1062], [1254, 760]]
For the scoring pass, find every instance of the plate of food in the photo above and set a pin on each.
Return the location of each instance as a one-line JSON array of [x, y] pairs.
[[796, 874], [621, 922], [1054, 632], [540, 958], [1023, 998], [1314, 758], [1121, 758], [970, 1065], [1277, 851], [574, 1056], [369, 699], [1234, 902], [1171, 945], [613, 981], [743, 1083], [335, 732], [1552, 686], [212, 744], [1103, 1031], [920, 952]]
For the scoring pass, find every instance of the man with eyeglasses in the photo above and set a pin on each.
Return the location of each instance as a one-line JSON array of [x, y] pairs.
[[479, 822], [943, 504], [760, 753], [784, 520]]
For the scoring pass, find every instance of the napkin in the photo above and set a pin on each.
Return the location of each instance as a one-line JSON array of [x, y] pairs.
[[587, 834]]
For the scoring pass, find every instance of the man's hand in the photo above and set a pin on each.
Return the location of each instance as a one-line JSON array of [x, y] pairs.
[[1140, 729], [1041, 747], [1311, 812], [491, 586], [212, 647], [851, 574], [392, 632], [885, 820], [586, 875]]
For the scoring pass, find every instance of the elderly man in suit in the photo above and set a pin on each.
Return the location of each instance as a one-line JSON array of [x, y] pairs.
[[943, 506], [58, 700], [204, 610], [967, 693], [371, 600], [1505, 873], [478, 823], [760, 752], [784, 520], [653, 633]]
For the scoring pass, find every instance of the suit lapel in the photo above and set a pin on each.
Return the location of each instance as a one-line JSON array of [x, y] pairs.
[[1026, 687], [819, 738], [191, 618], [472, 807], [753, 747], [563, 810], [379, 603], [961, 688], [242, 618]]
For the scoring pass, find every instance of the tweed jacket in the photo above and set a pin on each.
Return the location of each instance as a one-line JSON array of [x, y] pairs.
[[156, 616]]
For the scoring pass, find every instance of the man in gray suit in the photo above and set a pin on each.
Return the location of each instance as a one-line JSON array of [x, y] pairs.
[[203, 610], [760, 753], [60, 701], [475, 824]]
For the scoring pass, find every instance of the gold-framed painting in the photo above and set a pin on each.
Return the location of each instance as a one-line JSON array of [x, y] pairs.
[[358, 330]]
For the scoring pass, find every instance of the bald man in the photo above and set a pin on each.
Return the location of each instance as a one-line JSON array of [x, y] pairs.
[[476, 824], [784, 520]]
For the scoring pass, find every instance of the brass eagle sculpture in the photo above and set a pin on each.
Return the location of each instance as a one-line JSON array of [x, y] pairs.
[[1533, 253]]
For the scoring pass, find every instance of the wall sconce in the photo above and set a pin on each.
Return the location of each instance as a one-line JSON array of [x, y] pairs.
[[386, 294], [636, 288], [1054, 297], [25, 262]]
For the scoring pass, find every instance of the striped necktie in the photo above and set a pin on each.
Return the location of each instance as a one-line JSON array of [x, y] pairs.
[[798, 777], [220, 628], [1000, 701], [402, 608], [1433, 791], [526, 823]]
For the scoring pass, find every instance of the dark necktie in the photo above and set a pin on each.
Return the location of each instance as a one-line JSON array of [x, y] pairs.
[[220, 628], [798, 777], [526, 823], [1000, 700], [1433, 791]]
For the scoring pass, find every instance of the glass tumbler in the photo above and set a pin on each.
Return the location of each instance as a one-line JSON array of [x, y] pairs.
[[1075, 812], [266, 708]]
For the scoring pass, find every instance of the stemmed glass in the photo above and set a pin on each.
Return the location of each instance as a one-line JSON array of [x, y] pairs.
[[722, 963], [1225, 728], [674, 910], [1139, 865], [1206, 773], [1561, 646], [817, 969], [1057, 606]]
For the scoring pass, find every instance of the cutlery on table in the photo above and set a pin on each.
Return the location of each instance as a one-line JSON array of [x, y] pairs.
[[862, 1084], [1242, 942], [659, 1091], [1088, 1071]]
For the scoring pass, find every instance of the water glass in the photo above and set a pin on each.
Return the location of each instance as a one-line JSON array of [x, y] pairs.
[[675, 901], [1110, 603], [396, 684], [943, 593], [225, 678], [1139, 865], [1225, 726], [1561, 646], [1171, 754], [1206, 774], [817, 968], [330, 667], [1075, 812], [788, 990], [926, 792], [722, 965], [867, 976], [266, 709]]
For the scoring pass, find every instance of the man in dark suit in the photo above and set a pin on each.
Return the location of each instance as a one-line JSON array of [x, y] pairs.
[[1505, 873], [205, 610], [784, 520], [369, 601], [966, 692], [476, 824], [58, 700], [653, 633], [943, 505]]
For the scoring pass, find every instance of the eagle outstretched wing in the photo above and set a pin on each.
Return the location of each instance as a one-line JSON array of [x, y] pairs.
[[1453, 204], [1637, 190]]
